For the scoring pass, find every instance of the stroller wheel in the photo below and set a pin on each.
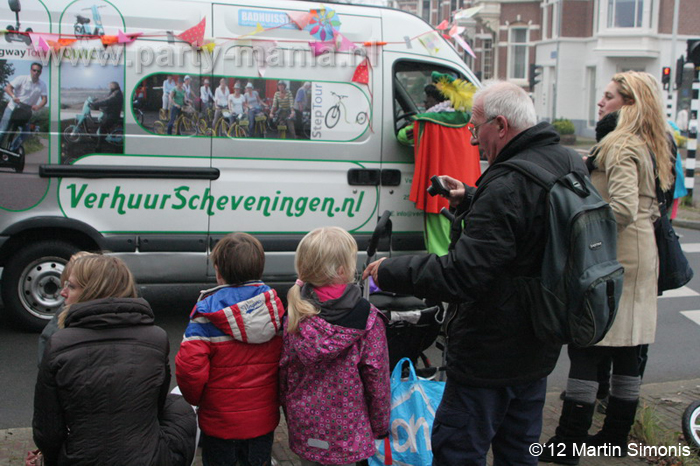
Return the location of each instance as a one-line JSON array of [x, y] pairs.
[[691, 424]]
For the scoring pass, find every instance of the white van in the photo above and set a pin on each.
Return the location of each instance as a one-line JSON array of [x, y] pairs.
[[320, 150]]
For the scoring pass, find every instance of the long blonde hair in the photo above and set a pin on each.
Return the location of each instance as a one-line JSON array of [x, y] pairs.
[[100, 277], [325, 256], [641, 123]]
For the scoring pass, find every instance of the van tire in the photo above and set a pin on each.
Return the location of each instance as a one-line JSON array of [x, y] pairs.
[[31, 283]]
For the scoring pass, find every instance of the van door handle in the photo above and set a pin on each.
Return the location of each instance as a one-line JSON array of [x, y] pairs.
[[364, 177]]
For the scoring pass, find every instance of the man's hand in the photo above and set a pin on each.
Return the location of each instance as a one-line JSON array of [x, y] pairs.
[[456, 190], [16, 100], [35, 107], [373, 270]]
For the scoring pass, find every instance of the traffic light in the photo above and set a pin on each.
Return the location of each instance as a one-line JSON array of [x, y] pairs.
[[666, 77], [680, 63], [535, 72], [694, 51]]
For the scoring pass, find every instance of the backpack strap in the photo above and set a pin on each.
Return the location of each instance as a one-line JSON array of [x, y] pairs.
[[539, 175]]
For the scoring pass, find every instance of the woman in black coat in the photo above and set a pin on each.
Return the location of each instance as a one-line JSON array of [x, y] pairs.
[[102, 391]]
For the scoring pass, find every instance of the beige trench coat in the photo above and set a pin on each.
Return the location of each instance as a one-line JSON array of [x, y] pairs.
[[629, 185]]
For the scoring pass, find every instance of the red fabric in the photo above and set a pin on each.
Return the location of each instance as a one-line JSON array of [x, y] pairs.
[[441, 150]]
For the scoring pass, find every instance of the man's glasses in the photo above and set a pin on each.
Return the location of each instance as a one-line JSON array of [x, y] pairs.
[[474, 129]]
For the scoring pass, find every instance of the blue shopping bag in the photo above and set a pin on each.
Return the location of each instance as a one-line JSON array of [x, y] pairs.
[[414, 402]]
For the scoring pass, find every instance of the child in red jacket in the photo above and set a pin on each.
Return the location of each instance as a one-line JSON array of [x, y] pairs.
[[228, 361]]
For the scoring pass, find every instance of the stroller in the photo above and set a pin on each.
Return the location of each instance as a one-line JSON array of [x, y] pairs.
[[412, 326]]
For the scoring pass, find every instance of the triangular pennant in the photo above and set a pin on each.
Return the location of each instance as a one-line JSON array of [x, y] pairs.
[[66, 42], [342, 44], [43, 45], [194, 35], [318, 48], [464, 45], [444, 25], [300, 18], [109, 40], [468, 13], [36, 40], [361, 74], [124, 38], [456, 30], [209, 47]]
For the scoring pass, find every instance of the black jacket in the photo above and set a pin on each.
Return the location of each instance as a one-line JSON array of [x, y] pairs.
[[101, 390], [111, 105], [491, 342]]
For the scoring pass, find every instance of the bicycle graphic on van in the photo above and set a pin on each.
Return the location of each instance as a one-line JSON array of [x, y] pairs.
[[333, 113]]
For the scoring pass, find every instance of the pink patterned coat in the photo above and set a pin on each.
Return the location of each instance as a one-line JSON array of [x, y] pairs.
[[335, 389]]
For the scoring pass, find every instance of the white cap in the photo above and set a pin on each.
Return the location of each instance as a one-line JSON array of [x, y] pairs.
[[237, 85], [187, 77], [249, 85]]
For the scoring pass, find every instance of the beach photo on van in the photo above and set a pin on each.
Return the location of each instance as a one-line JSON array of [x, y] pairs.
[[91, 116]]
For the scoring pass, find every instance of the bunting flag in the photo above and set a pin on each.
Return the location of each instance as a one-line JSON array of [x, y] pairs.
[[464, 45], [456, 30], [194, 35], [300, 18], [361, 74], [43, 45], [431, 42], [319, 48], [124, 38], [109, 40], [444, 25], [342, 44], [209, 46], [468, 13], [66, 42]]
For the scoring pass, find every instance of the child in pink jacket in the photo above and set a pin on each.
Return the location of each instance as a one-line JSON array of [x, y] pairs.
[[334, 371]]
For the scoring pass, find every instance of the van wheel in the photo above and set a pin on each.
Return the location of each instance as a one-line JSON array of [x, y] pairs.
[[31, 284]]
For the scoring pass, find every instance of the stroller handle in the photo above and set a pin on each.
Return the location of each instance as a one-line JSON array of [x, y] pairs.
[[382, 229]]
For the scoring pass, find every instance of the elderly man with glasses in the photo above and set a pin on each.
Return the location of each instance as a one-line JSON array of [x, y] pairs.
[[496, 366]]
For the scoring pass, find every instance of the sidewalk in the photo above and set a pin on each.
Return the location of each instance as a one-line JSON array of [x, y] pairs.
[[668, 400]]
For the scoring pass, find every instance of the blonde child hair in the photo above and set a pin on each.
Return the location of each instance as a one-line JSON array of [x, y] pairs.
[[100, 277], [325, 256]]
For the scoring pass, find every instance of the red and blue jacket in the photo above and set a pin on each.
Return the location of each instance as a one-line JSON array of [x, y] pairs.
[[228, 360]]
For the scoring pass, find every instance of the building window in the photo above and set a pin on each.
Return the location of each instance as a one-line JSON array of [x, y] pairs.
[[518, 53], [592, 97], [486, 59], [426, 10], [625, 13]]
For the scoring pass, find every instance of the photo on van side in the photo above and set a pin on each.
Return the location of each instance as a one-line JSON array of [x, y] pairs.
[[24, 131], [244, 107], [92, 120]]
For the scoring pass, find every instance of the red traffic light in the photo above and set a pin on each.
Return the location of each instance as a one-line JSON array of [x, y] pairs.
[[666, 71]]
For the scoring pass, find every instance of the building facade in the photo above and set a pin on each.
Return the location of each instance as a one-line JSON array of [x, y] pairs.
[[579, 44]]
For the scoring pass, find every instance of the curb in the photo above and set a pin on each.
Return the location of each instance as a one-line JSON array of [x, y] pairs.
[[691, 224]]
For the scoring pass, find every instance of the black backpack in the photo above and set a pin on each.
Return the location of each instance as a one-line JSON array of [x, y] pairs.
[[575, 298]]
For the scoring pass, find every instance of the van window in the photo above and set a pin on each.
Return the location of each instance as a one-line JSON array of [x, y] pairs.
[[252, 108], [410, 78]]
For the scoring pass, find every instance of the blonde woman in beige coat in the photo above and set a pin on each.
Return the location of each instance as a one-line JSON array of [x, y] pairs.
[[624, 175]]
